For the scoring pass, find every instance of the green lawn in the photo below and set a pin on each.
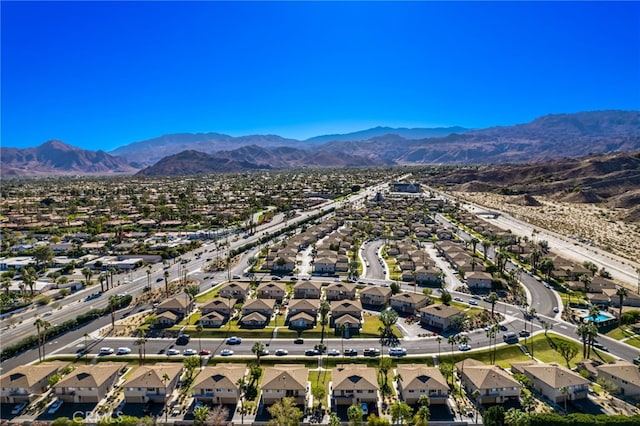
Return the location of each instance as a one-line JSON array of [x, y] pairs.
[[207, 296], [321, 378]]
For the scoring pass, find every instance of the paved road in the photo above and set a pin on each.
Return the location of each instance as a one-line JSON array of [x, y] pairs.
[[373, 268]]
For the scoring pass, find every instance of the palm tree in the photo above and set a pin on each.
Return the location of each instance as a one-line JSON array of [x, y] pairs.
[[474, 243], [582, 331], [141, 342], [113, 303], [29, 277], [586, 281], [475, 395], [242, 389], [166, 283], [592, 333], [101, 279], [87, 274], [258, 350], [421, 418], [323, 310], [86, 347], [452, 340], [439, 340], [149, 278], [547, 266], [199, 329], [166, 379], [493, 298], [622, 293], [39, 324]]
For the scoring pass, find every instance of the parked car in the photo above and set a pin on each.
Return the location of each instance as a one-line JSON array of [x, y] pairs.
[[458, 299], [298, 341], [55, 406], [464, 347], [524, 333], [371, 352], [555, 309], [173, 351], [600, 346], [189, 352], [226, 352], [282, 352], [473, 302], [333, 352], [234, 340], [204, 352], [19, 408], [397, 351], [123, 351], [312, 352], [350, 352], [183, 339], [365, 408], [106, 351]]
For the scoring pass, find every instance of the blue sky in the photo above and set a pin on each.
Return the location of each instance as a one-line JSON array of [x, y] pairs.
[[104, 74]]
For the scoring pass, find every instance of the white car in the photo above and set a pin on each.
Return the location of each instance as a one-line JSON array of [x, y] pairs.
[[464, 348], [189, 352], [123, 351], [282, 352], [333, 352], [226, 352], [397, 351], [106, 351], [173, 351], [55, 406]]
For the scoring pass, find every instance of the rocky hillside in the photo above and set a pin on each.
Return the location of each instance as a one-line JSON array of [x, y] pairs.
[[57, 158]]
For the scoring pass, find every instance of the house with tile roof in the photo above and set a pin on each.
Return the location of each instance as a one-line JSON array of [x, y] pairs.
[[88, 383], [408, 303], [550, 379], [495, 385], [439, 316], [285, 380], [354, 384], [624, 375], [147, 383], [416, 380], [375, 295], [219, 384], [307, 290], [27, 382], [235, 290]]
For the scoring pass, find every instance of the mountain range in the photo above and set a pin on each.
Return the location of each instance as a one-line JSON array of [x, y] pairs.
[[548, 137]]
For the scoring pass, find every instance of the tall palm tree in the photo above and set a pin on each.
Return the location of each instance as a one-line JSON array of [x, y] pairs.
[[586, 281], [452, 340], [474, 243], [87, 274], [439, 340], [493, 298], [149, 278], [592, 333], [141, 342], [39, 325], [113, 303], [323, 310], [622, 293], [258, 350], [475, 395], [582, 331], [242, 390], [565, 393], [29, 277], [166, 283], [199, 329], [165, 380]]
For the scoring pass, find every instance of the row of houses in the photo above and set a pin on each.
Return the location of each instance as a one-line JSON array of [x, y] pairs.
[[351, 384]]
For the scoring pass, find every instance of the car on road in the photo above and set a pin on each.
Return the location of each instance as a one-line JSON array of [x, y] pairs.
[[464, 348], [350, 352], [333, 352], [397, 351], [298, 341], [600, 346], [524, 333], [555, 309], [123, 351], [473, 302], [371, 352], [226, 352], [236, 277], [159, 279], [264, 352], [183, 339], [19, 408], [106, 351], [173, 351], [458, 299], [234, 340], [312, 352], [475, 296], [204, 352], [55, 406], [189, 352], [282, 352]]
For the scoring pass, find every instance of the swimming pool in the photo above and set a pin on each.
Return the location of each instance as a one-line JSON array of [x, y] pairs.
[[601, 317]]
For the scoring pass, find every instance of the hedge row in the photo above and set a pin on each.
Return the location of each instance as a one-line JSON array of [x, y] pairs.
[[578, 419], [56, 330]]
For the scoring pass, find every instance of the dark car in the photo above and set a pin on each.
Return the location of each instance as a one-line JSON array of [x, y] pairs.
[[298, 341], [312, 352], [350, 352], [183, 339], [371, 352]]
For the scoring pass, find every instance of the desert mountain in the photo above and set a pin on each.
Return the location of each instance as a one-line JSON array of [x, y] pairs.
[[611, 178], [57, 158], [251, 158], [551, 136], [413, 133]]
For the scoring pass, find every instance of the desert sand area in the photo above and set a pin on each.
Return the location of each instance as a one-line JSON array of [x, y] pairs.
[[594, 223]]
